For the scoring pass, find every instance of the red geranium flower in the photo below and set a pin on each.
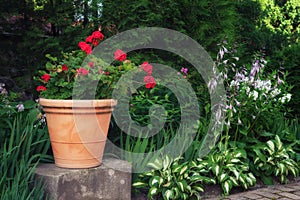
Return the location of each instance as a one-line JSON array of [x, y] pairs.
[[120, 55], [40, 88], [64, 67], [46, 77], [82, 71], [91, 64], [95, 42], [97, 35], [89, 39], [150, 81], [147, 68], [85, 47]]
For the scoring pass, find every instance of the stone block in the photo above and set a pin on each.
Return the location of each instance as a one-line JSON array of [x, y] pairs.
[[110, 181]]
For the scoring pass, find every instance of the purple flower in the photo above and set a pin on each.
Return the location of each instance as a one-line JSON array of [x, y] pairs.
[[255, 69]]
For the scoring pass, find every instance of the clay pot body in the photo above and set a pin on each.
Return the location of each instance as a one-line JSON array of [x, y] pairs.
[[78, 130]]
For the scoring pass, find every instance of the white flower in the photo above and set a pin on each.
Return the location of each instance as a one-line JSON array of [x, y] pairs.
[[253, 94], [275, 92], [285, 98], [20, 107]]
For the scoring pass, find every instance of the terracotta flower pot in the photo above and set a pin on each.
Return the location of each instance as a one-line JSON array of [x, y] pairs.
[[78, 130]]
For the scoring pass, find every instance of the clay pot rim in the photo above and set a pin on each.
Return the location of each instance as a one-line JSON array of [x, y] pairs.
[[70, 103]]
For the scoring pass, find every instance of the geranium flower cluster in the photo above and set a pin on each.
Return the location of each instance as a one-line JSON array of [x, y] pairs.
[[148, 79], [62, 74]]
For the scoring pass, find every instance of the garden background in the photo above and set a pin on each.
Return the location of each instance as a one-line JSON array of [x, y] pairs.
[[254, 39]]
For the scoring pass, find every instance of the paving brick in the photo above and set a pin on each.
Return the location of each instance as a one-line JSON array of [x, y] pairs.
[[297, 193], [290, 195], [251, 195], [286, 188], [267, 194]]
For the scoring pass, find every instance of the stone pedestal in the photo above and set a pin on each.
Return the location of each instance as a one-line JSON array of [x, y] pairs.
[[110, 181]]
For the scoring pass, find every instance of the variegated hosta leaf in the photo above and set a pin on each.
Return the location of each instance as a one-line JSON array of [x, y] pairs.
[[182, 185], [167, 184], [216, 170], [271, 145], [251, 176], [155, 181], [166, 162], [168, 194], [139, 184], [234, 181], [157, 164], [198, 188], [223, 177], [249, 180], [236, 173], [235, 160], [153, 191], [183, 169], [227, 185], [279, 143]]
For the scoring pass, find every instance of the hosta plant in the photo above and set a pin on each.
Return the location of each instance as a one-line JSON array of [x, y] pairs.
[[273, 159], [174, 179], [230, 168]]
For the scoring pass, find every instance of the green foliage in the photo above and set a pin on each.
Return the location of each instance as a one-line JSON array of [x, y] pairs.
[[20, 154], [10, 107], [288, 59], [207, 21], [272, 159], [174, 179], [230, 168]]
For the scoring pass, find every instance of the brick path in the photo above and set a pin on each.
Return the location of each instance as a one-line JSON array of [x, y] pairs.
[[279, 192]]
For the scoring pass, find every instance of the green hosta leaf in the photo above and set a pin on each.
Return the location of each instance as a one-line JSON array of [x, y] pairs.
[[177, 169], [261, 156], [184, 196]]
